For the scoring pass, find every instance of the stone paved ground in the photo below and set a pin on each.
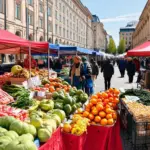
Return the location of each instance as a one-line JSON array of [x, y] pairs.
[[117, 82]]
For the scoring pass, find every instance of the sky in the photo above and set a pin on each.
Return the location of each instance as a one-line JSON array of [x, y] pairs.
[[115, 13]]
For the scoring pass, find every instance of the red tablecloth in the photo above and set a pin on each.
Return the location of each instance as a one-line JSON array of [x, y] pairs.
[[103, 138]]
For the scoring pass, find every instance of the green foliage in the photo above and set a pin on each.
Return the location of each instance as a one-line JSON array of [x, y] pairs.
[[112, 47], [121, 47]]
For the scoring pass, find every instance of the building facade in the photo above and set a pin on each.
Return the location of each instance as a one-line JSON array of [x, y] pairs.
[[66, 22], [126, 33], [100, 34], [142, 31]]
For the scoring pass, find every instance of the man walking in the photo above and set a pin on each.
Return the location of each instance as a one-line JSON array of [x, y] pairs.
[[122, 67], [108, 71]]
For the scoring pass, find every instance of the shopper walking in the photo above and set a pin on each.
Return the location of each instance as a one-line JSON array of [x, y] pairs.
[[108, 71], [122, 67], [87, 77], [131, 69], [95, 70], [75, 72]]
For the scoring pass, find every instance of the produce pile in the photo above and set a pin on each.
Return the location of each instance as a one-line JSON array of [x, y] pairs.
[[21, 95], [10, 111], [101, 109], [143, 95], [5, 98], [16, 135], [65, 71], [77, 126], [69, 102], [5, 78]]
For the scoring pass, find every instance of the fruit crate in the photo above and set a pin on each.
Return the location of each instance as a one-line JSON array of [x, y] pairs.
[[18, 81], [54, 143], [137, 133]]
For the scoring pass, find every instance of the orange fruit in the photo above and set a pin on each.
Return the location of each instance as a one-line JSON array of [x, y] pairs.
[[114, 116], [111, 90], [87, 109], [99, 100], [97, 119], [85, 114], [102, 114], [116, 100], [103, 122], [94, 112], [104, 95], [94, 97], [90, 104], [67, 128], [110, 121], [116, 92], [93, 108], [93, 101], [111, 99], [99, 94], [91, 116], [106, 101], [109, 116], [93, 123], [108, 110], [99, 107]]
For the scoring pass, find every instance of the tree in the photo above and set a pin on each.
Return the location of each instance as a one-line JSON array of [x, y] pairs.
[[112, 47], [121, 47]]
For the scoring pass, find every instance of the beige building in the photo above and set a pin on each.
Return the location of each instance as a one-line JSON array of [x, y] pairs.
[[72, 23], [126, 33], [99, 34], [142, 31]]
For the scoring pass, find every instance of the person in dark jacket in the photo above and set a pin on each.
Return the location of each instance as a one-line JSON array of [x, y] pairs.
[[95, 68], [131, 69], [58, 65], [108, 71], [86, 72], [122, 67]]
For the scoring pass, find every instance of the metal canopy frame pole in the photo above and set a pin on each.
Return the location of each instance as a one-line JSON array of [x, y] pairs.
[[48, 63], [30, 60]]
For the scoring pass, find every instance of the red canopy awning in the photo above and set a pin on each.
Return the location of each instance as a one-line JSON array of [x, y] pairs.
[[141, 50], [12, 44]]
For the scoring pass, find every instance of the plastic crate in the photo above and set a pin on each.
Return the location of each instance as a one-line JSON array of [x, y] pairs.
[[54, 143], [137, 133]]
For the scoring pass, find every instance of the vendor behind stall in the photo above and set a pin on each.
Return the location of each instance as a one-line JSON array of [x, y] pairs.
[[27, 64], [58, 65]]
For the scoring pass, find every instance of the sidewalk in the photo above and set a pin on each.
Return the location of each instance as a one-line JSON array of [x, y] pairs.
[[116, 82]]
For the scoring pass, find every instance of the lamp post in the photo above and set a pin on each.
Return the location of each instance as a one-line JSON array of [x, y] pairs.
[[27, 21]]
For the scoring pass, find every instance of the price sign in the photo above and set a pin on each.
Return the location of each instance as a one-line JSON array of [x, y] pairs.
[[25, 84]]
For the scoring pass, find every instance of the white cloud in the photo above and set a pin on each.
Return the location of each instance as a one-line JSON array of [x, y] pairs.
[[127, 17]]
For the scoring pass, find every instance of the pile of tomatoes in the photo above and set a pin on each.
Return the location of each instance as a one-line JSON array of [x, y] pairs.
[[102, 107]]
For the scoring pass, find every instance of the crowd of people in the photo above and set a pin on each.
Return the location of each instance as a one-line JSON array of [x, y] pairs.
[[84, 72]]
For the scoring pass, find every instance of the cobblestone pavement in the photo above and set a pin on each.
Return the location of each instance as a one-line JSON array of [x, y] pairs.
[[116, 81]]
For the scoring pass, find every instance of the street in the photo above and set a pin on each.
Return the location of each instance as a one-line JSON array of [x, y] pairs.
[[116, 81]]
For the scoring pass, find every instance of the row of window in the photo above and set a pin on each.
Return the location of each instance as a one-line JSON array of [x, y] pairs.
[[62, 8], [66, 34], [18, 9]]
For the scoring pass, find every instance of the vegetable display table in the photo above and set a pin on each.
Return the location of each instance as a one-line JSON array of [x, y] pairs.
[[103, 138], [54, 142]]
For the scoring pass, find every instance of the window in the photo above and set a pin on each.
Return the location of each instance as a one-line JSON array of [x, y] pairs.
[[71, 35], [60, 18], [30, 2], [1, 6], [49, 11], [56, 3], [63, 9], [64, 20], [59, 6], [56, 28], [70, 16], [49, 26], [41, 22], [40, 7], [30, 16], [18, 11], [64, 33], [67, 23], [56, 15], [67, 34], [60, 31]]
